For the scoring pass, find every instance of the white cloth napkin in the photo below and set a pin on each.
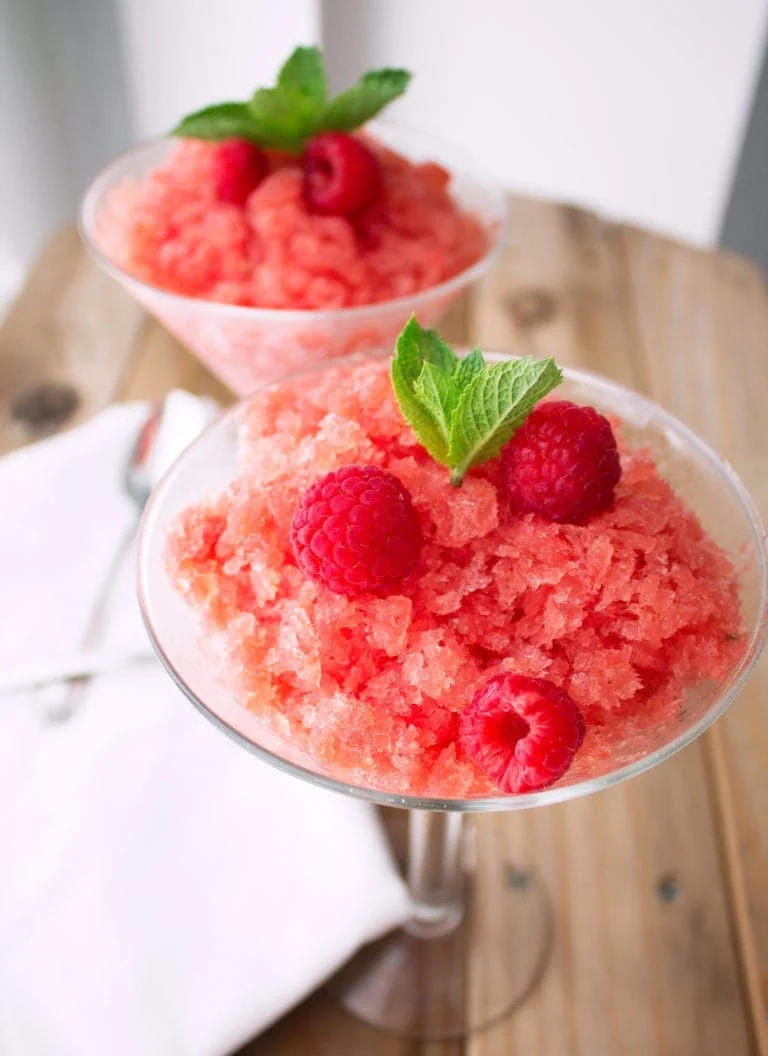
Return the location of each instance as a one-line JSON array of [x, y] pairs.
[[162, 892]]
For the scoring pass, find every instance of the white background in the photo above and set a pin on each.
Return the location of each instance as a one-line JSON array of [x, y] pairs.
[[634, 107], [184, 54]]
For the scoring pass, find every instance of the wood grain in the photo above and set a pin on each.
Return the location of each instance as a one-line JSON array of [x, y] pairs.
[[321, 1028], [702, 323], [64, 344]]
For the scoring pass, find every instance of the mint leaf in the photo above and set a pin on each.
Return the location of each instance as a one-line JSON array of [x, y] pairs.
[[415, 349], [362, 101], [415, 346], [304, 74], [467, 368], [418, 417], [282, 120], [493, 406], [436, 391], [434, 350], [222, 121]]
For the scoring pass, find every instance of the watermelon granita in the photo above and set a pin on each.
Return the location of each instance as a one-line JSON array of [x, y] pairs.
[[497, 639], [272, 251], [282, 202]]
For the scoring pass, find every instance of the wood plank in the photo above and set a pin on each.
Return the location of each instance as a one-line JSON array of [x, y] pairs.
[[645, 961], [64, 344], [456, 324], [321, 1028], [703, 322], [555, 292]]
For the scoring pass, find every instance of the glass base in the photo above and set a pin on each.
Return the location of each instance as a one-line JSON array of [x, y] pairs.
[[445, 986]]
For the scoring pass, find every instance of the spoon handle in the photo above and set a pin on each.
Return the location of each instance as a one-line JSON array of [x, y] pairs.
[[61, 701], [73, 669]]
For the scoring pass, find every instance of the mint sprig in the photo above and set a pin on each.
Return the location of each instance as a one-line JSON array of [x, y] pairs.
[[297, 107], [464, 410]]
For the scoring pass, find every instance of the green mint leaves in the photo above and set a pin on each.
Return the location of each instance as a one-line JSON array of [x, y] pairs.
[[298, 107], [464, 410], [417, 351], [364, 100], [303, 73]]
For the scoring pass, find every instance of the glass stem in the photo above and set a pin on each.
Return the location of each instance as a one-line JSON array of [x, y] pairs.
[[435, 876]]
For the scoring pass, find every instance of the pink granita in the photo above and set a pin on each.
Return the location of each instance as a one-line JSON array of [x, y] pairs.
[[169, 230], [624, 612]]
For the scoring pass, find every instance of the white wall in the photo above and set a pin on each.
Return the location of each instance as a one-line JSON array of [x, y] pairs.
[[56, 128], [636, 107], [184, 54]]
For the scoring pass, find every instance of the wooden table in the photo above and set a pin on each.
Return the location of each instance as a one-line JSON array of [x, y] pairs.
[[660, 885]]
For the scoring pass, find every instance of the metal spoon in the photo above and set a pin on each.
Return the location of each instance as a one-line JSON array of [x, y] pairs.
[[62, 700]]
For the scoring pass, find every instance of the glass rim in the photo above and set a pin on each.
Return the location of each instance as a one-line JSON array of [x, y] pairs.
[[199, 305], [558, 793]]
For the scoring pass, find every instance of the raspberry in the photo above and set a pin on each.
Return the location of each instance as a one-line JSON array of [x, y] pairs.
[[341, 176], [357, 531], [523, 732], [562, 463], [239, 166]]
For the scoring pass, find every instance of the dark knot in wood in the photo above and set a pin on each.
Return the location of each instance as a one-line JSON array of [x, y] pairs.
[[668, 888], [530, 308], [518, 879], [46, 407]]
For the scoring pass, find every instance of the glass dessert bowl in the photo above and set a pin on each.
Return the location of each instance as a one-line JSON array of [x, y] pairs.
[[246, 345], [421, 980]]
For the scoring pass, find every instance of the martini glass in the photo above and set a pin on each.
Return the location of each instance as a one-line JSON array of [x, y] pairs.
[[466, 956], [246, 346]]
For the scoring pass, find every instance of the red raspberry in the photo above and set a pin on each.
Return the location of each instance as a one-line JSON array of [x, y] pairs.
[[239, 166], [357, 531], [562, 463], [523, 732], [341, 176]]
